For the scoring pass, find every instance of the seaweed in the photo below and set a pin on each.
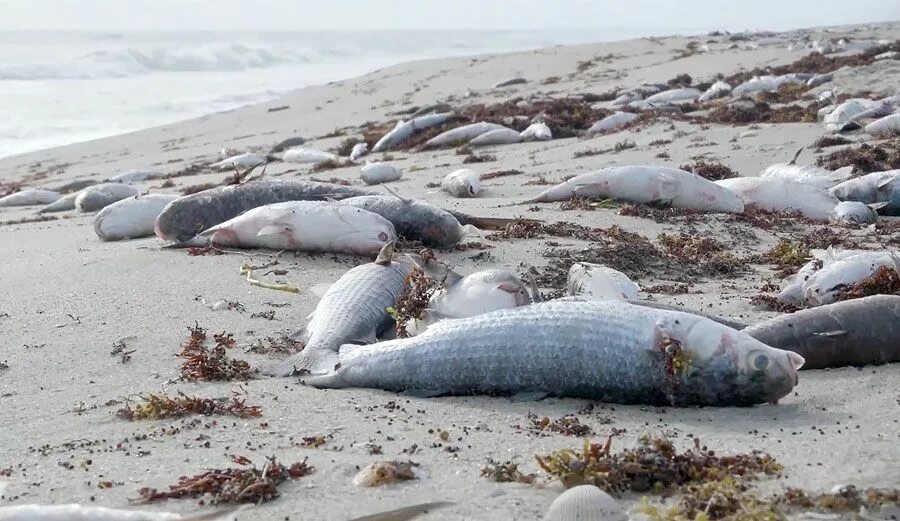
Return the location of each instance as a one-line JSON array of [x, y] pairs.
[[507, 472], [500, 173], [567, 425], [711, 171], [661, 214], [885, 281], [475, 158], [772, 304], [232, 485], [847, 498], [705, 253], [786, 93], [202, 363], [654, 465], [346, 146], [160, 406], [865, 158], [726, 499], [413, 301], [330, 164], [830, 141]]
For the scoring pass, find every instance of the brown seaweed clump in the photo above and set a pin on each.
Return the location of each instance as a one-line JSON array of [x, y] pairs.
[[830, 141], [202, 363], [711, 171], [411, 304], [706, 253], [846, 499], [567, 425], [160, 406], [500, 173], [507, 472], [661, 215], [247, 484], [865, 158], [786, 93], [729, 499], [331, 164], [885, 281], [771, 303], [654, 465], [745, 111]]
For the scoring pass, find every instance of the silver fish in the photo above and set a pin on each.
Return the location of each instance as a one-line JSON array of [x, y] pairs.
[[610, 351], [352, 310], [414, 220], [97, 197], [405, 129], [187, 216]]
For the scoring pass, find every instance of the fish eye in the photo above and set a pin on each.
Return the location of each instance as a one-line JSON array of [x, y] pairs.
[[761, 362]]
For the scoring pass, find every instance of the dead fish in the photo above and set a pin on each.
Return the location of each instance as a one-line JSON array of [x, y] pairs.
[[30, 197], [854, 332], [405, 513], [854, 213], [825, 285], [466, 296], [462, 183], [718, 89], [611, 122], [241, 161], [74, 186], [131, 218], [136, 176], [353, 310], [646, 184], [64, 203], [599, 282], [319, 226], [75, 512], [885, 127], [500, 136], [288, 143], [511, 81], [774, 194], [538, 131], [98, 197], [413, 220], [673, 96], [811, 175], [358, 151], [189, 215], [378, 173], [405, 129], [464, 133], [734, 324], [866, 188], [307, 155]]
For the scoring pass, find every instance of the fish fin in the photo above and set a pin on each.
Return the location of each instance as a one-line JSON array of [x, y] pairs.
[[405, 513], [832, 334], [314, 361], [424, 393], [796, 156], [436, 270], [320, 290], [878, 206], [385, 255], [885, 182], [369, 338], [223, 513], [395, 194], [532, 396], [534, 290], [272, 229]]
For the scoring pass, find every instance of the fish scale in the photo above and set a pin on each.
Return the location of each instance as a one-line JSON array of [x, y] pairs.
[[609, 351]]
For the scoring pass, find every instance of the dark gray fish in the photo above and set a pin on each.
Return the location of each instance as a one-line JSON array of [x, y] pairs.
[[853, 332], [715, 318], [413, 220], [187, 216], [74, 186], [510, 81], [288, 143]]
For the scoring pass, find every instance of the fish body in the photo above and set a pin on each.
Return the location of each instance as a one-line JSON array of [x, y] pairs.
[[98, 197], [734, 324], [136, 176], [778, 195], [811, 175], [413, 220], [854, 332], [824, 285], [843, 114], [75, 512], [405, 129], [462, 183], [288, 143], [611, 122], [66, 202], [608, 351], [673, 96], [307, 155], [647, 184], [463, 134], [792, 291], [358, 151], [819, 79], [500, 136], [764, 83], [599, 282], [353, 310], [377, 173], [187, 216], [538, 131], [718, 89], [887, 126], [852, 213], [865, 188], [131, 218], [306, 226], [30, 197], [241, 161]]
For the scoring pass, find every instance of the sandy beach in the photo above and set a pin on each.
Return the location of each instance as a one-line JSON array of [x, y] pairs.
[[67, 298]]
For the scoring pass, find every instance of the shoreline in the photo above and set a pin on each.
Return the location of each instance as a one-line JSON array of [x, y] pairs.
[[67, 300]]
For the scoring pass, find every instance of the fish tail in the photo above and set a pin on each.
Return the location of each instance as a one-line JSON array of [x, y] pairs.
[[314, 361]]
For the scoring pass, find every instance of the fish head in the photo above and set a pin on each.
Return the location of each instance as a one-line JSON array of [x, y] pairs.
[[710, 363], [486, 291], [367, 231]]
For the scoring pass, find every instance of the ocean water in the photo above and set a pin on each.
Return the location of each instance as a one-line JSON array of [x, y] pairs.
[[64, 87]]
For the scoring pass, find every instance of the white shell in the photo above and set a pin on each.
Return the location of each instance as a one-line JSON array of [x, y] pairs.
[[585, 503], [383, 473]]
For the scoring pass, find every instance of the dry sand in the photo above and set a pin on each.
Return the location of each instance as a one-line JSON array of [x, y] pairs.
[[66, 297]]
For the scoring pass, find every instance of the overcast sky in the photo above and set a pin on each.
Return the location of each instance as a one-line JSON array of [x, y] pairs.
[[439, 14]]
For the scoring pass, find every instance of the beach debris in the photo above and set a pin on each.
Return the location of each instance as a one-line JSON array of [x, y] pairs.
[[352, 310], [382, 473], [599, 282], [209, 365], [307, 155], [538, 131], [585, 502], [247, 160], [245, 484], [378, 173], [246, 270], [507, 472], [568, 425], [98, 197], [866, 158], [462, 183], [774, 194], [653, 465], [288, 143], [623, 366], [646, 184], [131, 218], [160, 406], [184, 218], [413, 301], [318, 226], [30, 197], [711, 171], [854, 213]]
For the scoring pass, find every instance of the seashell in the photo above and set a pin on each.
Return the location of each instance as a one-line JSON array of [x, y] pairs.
[[383, 473], [585, 503]]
